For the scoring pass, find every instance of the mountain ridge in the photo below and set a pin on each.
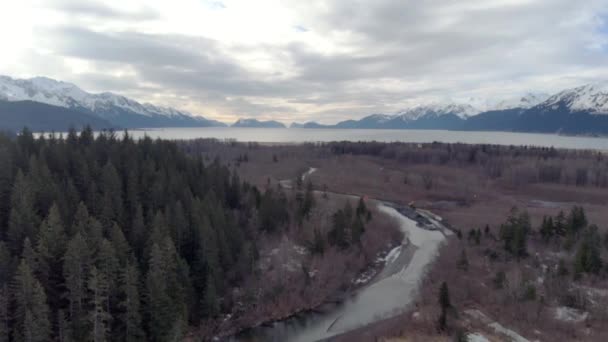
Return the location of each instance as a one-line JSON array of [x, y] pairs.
[[117, 109]]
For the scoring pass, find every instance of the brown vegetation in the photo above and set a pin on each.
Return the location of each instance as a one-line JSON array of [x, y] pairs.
[[470, 187]]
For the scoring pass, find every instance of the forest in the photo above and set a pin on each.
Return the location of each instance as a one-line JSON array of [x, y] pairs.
[[108, 238]]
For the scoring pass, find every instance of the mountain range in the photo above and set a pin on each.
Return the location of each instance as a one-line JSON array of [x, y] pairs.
[[46, 104], [98, 110], [581, 110]]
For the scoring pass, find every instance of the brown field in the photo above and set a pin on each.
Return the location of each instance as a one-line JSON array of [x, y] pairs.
[[467, 195]]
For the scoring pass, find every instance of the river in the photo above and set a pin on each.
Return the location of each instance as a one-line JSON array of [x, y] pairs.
[[389, 294]]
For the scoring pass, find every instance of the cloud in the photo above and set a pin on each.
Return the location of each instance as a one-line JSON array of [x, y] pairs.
[[101, 10], [318, 59]]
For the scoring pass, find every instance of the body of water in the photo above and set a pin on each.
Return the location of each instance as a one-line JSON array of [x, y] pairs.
[[391, 293], [299, 135]]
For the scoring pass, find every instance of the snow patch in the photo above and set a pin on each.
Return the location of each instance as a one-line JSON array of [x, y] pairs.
[[477, 337], [497, 327], [308, 173], [393, 254], [566, 314]]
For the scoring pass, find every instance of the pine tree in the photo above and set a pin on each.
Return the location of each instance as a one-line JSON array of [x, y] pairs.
[[136, 234], [23, 220], [107, 265], [52, 234], [112, 195], [50, 249], [30, 255], [99, 315], [6, 180], [160, 319], [31, 310], [131, 320], [76, 266], [463, 262], [4, 314], [560, 224], [80, 221], [444, 304], [120, 244], [357, 230], [64, 332], [337, 236]]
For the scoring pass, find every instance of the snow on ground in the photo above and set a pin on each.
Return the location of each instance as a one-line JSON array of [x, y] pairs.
[[286, 184], [497, 327], [477, 337], [308, 173], [393, 254], [567, 314]]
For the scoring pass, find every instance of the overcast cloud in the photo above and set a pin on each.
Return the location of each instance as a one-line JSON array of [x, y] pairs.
[[296, 60]]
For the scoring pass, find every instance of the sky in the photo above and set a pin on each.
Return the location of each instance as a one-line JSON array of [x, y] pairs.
[[312, 60]]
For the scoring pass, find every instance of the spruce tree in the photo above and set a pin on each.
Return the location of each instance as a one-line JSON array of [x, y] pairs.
[[463, 262], [444, 305], [76, 266], [23, 221], [160, 320], [31, 310], [130, 305], [4, 314], [99, 315]]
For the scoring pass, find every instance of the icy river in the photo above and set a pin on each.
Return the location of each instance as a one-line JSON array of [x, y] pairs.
[[392, 291]]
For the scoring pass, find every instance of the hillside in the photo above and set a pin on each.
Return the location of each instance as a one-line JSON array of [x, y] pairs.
[[116, 109], [43, 117]]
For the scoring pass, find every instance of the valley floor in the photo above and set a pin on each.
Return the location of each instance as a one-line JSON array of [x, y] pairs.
[[466, 199]]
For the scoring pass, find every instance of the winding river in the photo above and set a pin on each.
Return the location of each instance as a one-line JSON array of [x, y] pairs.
[[391, 293]]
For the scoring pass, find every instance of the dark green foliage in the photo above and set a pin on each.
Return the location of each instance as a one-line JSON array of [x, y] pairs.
[[588, 256], [273, 211], [514, 233], [528, 292], [338, 235], [112, 233], [130, 327], [31, 311], [499, 280], [547, 229], [562, 269], [577, 221], [348, 226], [317, 244], [463, 261], [444, 304]]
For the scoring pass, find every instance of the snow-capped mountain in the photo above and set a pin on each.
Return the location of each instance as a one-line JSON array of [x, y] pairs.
[[525, 101], [117, 109], [591, 98], [530, 112], [437, 110]]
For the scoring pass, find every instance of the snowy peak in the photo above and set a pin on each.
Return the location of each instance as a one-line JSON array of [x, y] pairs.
[[436, 110], [592, 98], [525, 101], [68, 95]]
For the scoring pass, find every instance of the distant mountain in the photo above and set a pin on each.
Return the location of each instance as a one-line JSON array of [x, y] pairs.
[[582, 110], [116, 109], [310, 124], [254, 123], [434, 116], [525, 101], [37, 116]]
